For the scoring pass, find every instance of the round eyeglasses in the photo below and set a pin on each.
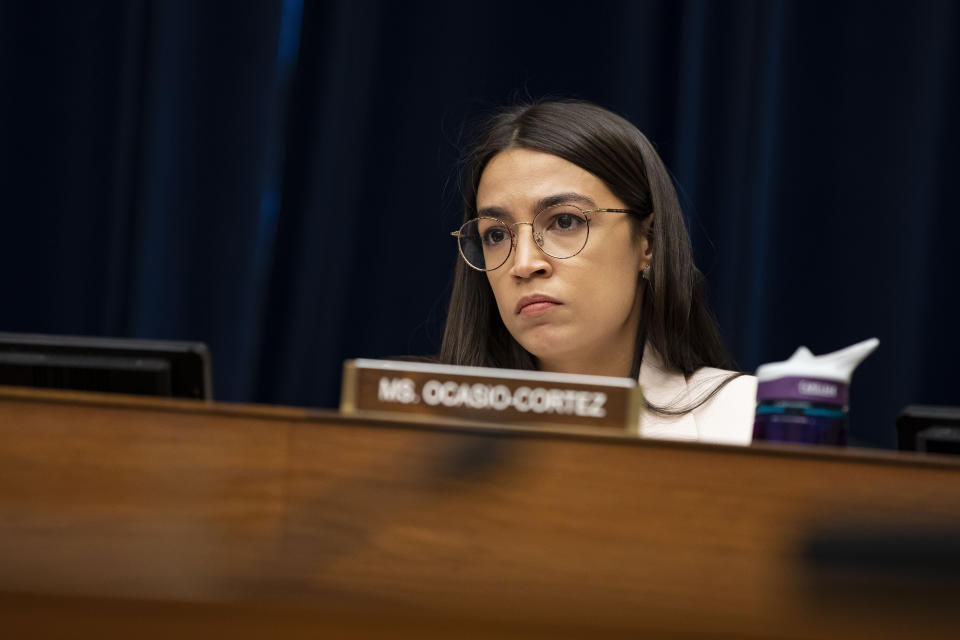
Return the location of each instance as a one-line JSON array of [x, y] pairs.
[[560, 231]]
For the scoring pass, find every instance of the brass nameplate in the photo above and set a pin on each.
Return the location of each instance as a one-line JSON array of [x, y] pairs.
[[503, 396]]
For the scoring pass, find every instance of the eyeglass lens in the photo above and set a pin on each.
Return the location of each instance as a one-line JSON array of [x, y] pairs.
[[560, 232]]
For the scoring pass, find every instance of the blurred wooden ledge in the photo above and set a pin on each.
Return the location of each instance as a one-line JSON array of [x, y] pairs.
[[123, 515]]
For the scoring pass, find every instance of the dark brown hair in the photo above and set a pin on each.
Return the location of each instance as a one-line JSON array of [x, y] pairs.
[[675, 319]]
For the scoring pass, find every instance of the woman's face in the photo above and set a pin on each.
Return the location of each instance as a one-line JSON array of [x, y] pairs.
[[576, 315]]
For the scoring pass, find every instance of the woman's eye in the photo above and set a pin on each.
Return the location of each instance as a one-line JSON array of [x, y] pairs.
[[494, 236], [565, 222]]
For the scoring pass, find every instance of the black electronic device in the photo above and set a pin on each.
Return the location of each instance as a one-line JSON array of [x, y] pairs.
[[929, 429], [118, 365]]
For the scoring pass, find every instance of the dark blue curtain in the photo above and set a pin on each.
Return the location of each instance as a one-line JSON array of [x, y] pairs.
[[278, 179]]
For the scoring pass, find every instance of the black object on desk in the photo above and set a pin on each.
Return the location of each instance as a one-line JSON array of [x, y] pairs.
[[118, 365], [929, 429]]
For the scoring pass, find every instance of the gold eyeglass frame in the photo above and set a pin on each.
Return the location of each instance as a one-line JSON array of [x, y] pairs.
[[537, 241]]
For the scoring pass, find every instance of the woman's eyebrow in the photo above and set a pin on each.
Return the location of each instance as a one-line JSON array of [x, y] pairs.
[[565, 198], [495, 212], [542, 203]]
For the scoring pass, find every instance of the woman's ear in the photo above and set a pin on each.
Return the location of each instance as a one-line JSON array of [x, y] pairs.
[[643, 239], [647, 260], [648, 238]]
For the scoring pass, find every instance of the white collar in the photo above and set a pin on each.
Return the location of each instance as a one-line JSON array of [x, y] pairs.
[[664, 388]]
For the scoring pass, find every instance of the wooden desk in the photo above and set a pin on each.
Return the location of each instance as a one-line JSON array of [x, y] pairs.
[[128, 517]]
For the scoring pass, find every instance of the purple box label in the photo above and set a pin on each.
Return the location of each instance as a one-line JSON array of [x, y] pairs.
[[808, 389]]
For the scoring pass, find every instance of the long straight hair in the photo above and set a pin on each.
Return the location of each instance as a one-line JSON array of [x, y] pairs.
[[675, 318]]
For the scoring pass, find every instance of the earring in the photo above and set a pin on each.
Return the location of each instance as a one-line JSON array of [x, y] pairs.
[[645, 272]]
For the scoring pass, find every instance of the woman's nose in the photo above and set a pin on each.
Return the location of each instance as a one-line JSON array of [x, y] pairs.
[[528, 259]]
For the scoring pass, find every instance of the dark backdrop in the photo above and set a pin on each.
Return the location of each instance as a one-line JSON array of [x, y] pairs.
[[278, 179]]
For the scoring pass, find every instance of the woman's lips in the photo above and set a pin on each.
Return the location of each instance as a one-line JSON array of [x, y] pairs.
[[534, 305], [537, 308]]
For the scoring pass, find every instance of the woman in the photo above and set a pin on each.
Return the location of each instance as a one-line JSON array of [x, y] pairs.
[[576, 259]]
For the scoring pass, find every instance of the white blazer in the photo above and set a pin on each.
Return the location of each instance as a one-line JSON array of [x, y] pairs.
[[726, 418]]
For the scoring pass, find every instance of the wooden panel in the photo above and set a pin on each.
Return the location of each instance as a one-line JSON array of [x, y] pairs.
[[191, 516]]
